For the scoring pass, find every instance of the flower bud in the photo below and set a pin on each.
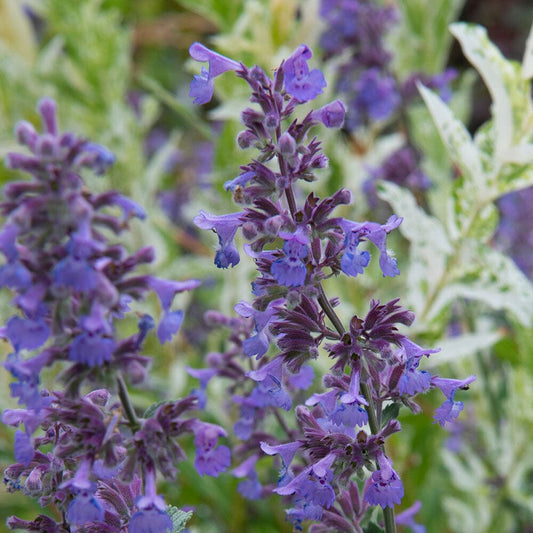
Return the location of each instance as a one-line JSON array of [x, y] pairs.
[[286, 144], [246, 139]]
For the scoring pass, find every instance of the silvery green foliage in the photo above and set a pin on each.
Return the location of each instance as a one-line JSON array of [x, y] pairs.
[[179, 518], [490, 477], [451, 258]]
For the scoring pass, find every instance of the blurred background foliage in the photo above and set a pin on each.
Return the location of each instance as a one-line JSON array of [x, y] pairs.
[[120, 72]]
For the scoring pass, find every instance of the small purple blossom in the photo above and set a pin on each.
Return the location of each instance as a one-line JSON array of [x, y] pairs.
[[377, 234], [300, 82], [384, 486], [290, 270], [210, 458], [202, 86], [225, 227]]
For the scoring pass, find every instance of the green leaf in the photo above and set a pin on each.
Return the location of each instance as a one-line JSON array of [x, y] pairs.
[[390, 412], [462, 149], [150, 411], [372, 527], [179, 518], [492, 278], [510, 93]]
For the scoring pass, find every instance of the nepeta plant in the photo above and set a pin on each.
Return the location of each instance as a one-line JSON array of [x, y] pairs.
[[83, 450], [334, 462]]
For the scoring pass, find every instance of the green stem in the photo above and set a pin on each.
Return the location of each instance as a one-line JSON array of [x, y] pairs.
[[127, 405]]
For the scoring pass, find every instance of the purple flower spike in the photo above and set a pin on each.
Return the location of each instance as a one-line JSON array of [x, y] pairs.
[[302, 84], [226, 227], [202, 86]]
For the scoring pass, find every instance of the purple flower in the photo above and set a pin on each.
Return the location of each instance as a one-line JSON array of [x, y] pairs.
[[225, 227], [384, 487], [24, 451], [167, 289], [285, 451], [91, 350], [448, 411], [407, 518], [98, 157], [377, 234], [250, 487], [169, 325], [353, 261], [150, 521], [258, 344], [15, 276], [26, 334], [85, 508], [290, 270], [302, 84], [331, 115], [204, 375], [376, 96], [75, 270], [313, 483], [202, 85], [449, 386], [210, 459]]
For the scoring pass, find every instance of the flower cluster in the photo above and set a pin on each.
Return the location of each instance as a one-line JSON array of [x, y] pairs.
[[71, 287], [357, 30], [297, 243]]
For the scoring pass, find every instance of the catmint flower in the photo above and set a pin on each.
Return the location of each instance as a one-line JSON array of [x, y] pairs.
[[407, 518], [26, 333], [210, 458], [225, 227], [151, 516], [290, 270], [450, 409], [377, 234], [300, 82], [202, 86], [250, 487], [384, 486]]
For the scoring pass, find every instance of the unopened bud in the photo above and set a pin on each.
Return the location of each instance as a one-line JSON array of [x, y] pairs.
[[287, 144]]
